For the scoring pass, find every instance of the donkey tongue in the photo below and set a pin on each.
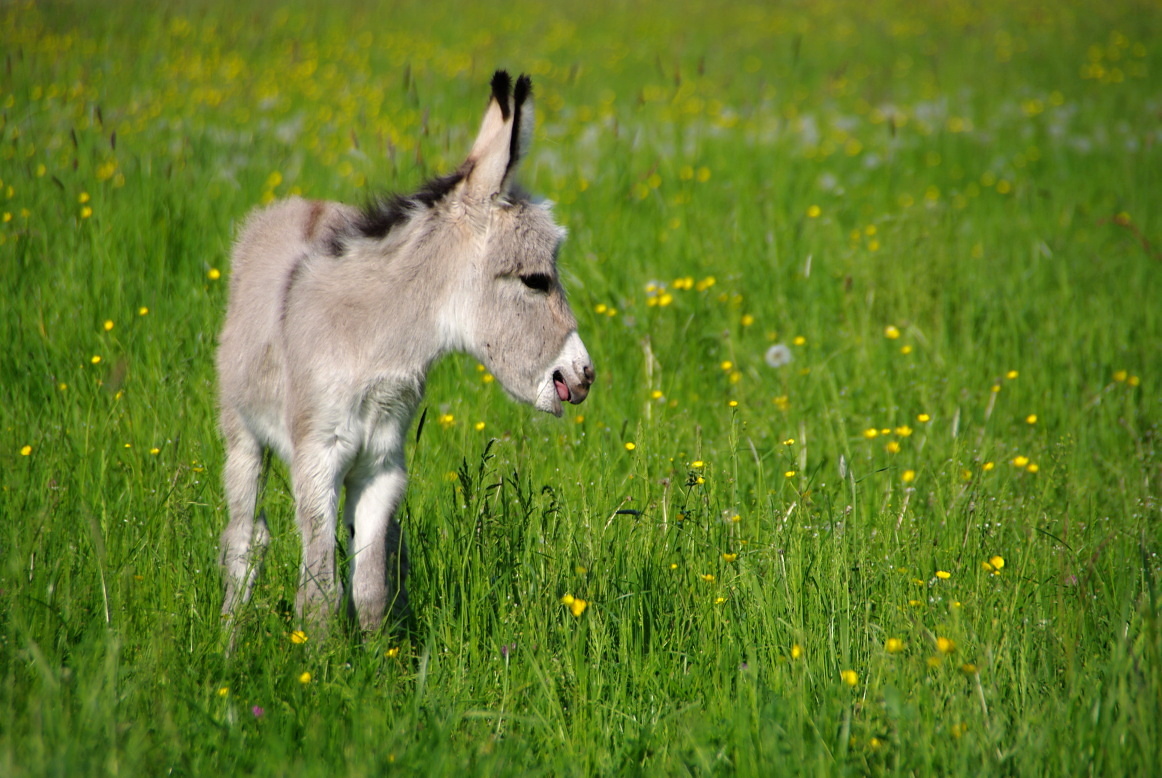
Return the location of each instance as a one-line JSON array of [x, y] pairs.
[[562, 388]]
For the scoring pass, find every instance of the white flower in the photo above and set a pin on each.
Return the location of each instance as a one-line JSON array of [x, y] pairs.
[[778, 355]]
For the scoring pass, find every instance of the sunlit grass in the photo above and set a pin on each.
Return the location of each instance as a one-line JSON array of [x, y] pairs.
[[868, 481]]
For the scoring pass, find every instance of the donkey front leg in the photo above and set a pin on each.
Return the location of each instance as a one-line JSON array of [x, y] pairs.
[[378, 556]]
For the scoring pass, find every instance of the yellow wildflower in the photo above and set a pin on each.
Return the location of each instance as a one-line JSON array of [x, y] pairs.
[[894, 645], [796, 651], [945, 645], [850, 677], [298, 637]]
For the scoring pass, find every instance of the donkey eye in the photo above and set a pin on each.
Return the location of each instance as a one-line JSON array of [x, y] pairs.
[[538, 281]]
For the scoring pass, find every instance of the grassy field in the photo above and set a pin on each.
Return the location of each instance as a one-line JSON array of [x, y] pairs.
[[868, 484]]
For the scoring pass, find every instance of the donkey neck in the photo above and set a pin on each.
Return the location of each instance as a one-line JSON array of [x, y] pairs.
[[409, 300]]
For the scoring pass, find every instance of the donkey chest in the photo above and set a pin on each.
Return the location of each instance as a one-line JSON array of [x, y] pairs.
[[383, 415]]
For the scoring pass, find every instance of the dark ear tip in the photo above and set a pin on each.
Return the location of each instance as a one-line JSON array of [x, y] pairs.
[[501, 89], [524, 88], [501, 85]]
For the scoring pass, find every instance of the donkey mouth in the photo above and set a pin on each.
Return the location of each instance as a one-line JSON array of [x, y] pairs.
[[562, 388]]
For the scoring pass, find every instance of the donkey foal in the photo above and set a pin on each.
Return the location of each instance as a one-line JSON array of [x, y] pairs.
[[335, 316]]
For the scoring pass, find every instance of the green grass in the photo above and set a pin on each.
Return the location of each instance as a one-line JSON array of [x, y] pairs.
[[982, 180]]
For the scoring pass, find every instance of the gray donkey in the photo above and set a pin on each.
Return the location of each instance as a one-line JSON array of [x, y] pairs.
[[335, 316]]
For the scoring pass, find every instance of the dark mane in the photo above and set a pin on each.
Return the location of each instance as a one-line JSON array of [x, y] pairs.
[[384, 212]]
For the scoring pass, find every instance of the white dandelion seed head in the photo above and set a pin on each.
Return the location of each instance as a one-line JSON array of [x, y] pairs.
[[778, 355]]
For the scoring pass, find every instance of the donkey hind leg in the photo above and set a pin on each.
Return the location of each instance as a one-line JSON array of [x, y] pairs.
[[316, 489], [378, 558], [245, 538]]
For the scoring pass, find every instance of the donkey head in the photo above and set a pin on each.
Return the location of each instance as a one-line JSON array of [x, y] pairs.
[[512, 314]]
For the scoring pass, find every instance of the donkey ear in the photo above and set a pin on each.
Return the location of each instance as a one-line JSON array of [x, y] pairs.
[[503, 137]]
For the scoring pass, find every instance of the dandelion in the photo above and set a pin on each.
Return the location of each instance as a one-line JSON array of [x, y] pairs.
[[1031, 418], [719, 600], [998, 562], [850, 677], [298, 637], [1011, 374], [923, 418], [908, 477], [747, 320], [814, 211], [891, 332], [729, 557], [1121, 375], [799, 340], [577, 607], [391, 653], [893, 447], [945, 645], [630, 446], [707, 577], [143, 311], [727, 365], [893, 645], [1020, 461], [732, 404], [1032, 467], [778, 355], [906, 350], [790, 474], [155, 451], [789, 442], [871, 432], [697, 463], [987, 466], [796, 651], [305, 678], [903, 431], [25, 451], [224, 691], [479, 426], [96, 359], [943, 575], [86, 212], [214, 274], [968, 668], [108, 325]]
